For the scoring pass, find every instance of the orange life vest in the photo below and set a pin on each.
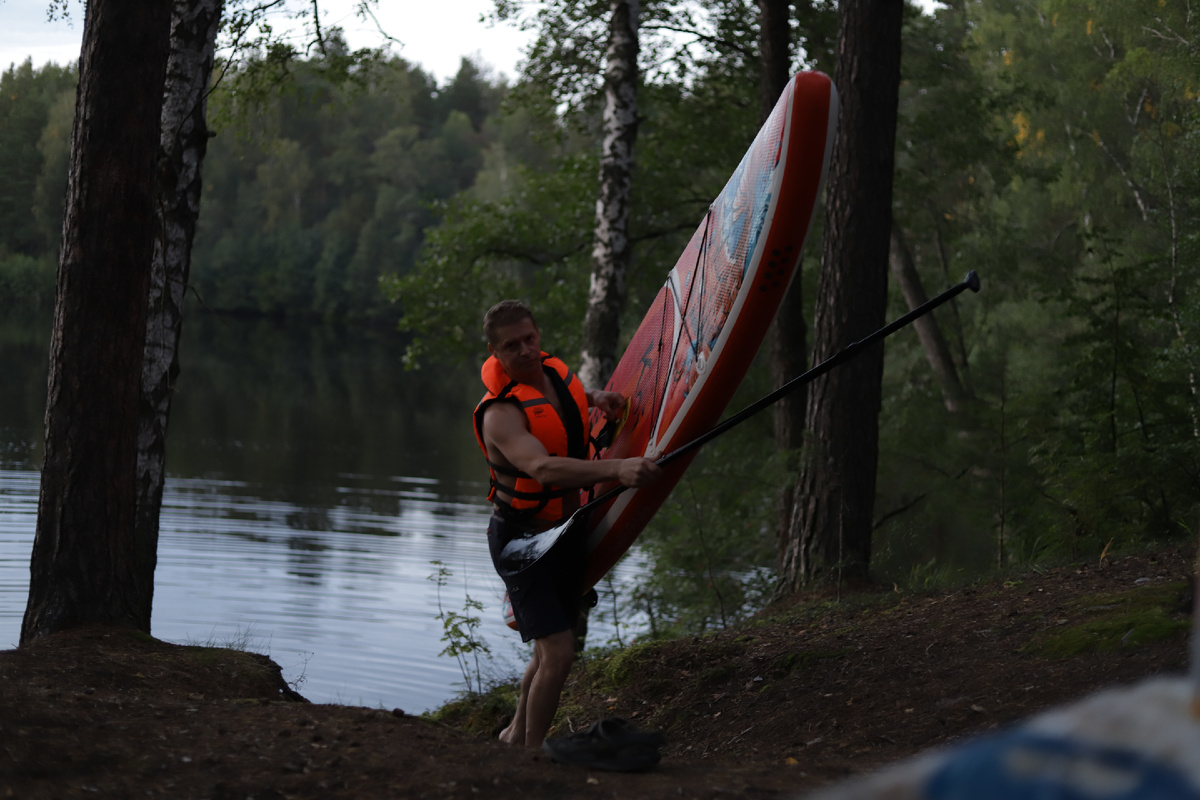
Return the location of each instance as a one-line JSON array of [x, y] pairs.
[[561, 437]]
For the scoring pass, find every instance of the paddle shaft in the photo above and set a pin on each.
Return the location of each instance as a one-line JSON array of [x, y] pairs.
[[970, 282]]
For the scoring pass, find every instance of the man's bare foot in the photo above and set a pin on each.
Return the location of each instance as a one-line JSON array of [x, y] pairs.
[[508, 736]]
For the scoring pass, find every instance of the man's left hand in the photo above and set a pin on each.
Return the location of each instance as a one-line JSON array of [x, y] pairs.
[[611, 404]]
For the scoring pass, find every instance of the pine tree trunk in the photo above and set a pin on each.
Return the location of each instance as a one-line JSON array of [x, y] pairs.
[[611, 250], [86, 564], [184, 141], [788, 336], [775, 53], [829, 533]]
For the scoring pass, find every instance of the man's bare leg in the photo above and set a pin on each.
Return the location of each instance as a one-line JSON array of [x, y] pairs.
[[554, 655], [515, 732]]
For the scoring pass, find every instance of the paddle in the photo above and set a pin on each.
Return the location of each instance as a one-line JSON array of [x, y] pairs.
[[520, 554]]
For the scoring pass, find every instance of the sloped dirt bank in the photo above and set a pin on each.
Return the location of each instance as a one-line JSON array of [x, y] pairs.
[[781, 705]]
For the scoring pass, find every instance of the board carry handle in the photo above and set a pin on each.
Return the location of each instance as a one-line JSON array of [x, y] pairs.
[[970, 282]]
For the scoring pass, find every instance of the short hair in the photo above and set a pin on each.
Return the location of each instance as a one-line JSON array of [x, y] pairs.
[[506, 312]]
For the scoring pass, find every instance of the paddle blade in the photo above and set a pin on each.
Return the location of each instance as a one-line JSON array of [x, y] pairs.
[[523, 552]]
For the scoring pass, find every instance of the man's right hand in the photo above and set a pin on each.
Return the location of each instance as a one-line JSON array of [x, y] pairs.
[[636, 472]]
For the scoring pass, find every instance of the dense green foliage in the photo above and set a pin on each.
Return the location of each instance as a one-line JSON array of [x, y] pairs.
[[1062, 164], [534, 239], [1052, 146], [36, 108], [327, 186]]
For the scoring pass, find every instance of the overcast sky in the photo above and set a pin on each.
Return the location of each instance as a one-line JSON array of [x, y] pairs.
[[434, 34]]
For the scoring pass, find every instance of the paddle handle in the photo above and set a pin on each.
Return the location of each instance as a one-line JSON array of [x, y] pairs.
[[970, 282]]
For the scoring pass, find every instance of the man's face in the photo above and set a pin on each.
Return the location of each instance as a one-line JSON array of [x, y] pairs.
[[518, 348]]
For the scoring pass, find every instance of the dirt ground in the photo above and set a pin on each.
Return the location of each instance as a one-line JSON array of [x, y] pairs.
[[824, 689]]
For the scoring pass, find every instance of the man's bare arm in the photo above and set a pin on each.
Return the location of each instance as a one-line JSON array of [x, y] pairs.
[[506, 434]]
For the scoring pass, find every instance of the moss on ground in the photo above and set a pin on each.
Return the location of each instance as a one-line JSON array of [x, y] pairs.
[[1105, 623]]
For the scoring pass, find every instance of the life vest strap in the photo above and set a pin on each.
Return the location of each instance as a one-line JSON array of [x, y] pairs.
[[509, 471], [545, 494]]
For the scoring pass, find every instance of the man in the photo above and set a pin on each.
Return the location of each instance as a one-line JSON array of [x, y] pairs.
[[533, 428]]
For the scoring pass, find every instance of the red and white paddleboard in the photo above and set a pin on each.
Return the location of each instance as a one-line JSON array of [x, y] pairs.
[[703, 329]]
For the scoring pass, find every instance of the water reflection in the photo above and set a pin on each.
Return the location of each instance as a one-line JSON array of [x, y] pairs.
[[347, 600], [293, 408], [313, 482]]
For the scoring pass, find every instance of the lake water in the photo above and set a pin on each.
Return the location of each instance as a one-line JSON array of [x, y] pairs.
[[312, 485]]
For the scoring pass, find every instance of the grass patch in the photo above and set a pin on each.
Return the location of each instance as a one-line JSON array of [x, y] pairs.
[[1105, 623], [622, 665], [244, 640], [481, 714]]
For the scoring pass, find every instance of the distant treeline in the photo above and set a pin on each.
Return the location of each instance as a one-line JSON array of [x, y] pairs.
[[309, 196], [37, 107], [322, 189]]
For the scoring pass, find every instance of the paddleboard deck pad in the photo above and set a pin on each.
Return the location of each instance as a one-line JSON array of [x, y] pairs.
[[695, 344]]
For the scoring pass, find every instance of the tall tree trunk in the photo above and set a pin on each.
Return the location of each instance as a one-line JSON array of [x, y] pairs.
[[789, 343], [611, 250], [834, 499], [774, 52], [183, 144], [937, 352], [86, 564]]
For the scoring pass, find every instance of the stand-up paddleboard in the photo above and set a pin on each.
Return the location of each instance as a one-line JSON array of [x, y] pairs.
[[704, 327], [696, 342]]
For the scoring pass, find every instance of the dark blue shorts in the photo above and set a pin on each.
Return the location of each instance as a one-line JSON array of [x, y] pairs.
[[545, 597]]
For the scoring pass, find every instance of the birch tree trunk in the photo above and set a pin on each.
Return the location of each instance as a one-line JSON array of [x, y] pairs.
[[611, 250], [182, 147], [829, 532], [86, 564]]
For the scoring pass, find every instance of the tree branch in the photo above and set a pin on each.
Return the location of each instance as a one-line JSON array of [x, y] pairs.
[[704, 37]]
